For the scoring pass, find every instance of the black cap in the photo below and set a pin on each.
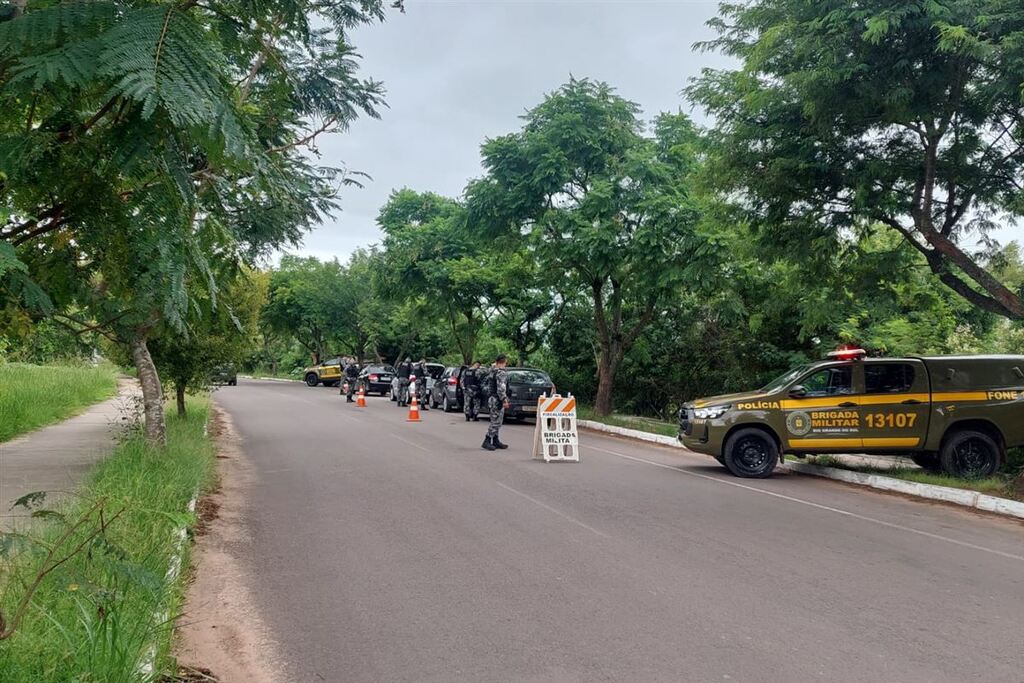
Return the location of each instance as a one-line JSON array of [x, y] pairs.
[[501, 357]]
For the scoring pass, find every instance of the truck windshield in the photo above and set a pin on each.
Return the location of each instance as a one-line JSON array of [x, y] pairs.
[[785, 379]]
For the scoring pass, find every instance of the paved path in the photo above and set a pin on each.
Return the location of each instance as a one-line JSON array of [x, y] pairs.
[[55, 458], [385, 551]]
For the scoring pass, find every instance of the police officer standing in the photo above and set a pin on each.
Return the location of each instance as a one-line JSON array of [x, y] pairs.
[[471, 392], [421, 384], [404, 370], [497, 402], [351, 376]]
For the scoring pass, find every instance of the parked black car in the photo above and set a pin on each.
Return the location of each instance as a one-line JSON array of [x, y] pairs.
[[376, 378], [525, 386], [224, 374], [447, 390]]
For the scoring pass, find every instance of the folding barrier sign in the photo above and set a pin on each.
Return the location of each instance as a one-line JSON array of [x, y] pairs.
[[555, 438]]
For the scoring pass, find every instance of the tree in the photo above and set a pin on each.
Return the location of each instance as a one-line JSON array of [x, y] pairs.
[[307, 299], [219, 335], [845, 116], [146, 147], [428, 249], [606, 208]]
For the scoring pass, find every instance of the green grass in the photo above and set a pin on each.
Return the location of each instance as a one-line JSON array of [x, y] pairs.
[[92, 618], [32, 396], [1000, 485], [644, 424]]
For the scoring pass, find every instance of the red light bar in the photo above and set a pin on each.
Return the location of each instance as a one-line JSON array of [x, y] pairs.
[[847, 354]]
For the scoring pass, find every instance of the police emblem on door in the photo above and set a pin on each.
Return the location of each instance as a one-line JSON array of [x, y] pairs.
[[798, 423]]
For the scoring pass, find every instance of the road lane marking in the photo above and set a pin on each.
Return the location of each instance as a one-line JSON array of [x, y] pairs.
[[845, 513], [551, 509], [413, 444]]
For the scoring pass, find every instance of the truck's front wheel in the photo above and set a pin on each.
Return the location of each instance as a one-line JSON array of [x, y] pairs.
[[751, 453], [971, 455]]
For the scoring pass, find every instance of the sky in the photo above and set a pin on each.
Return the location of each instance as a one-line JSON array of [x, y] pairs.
[[457, 72]]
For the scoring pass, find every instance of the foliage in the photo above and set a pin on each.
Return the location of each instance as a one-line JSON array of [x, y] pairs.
[[218, 336], [306, 299], [844, 116], [92, 617], [608, 209], [148, 147], [32, 396], [428, 249]]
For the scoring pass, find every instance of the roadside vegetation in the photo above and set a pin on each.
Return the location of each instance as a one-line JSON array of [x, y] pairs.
[[84, 594], [643, 424], [1008, 484], [33, 396]]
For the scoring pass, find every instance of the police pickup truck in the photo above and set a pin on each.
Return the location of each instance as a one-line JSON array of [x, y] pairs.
[[957, 414]]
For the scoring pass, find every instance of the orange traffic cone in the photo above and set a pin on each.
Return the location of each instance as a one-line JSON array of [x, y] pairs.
[[361, 398], [414, 411]]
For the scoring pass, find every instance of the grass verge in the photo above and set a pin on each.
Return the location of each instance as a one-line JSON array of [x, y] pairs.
[[32, 396], [1002, 485], [101, 561], [643, 424]]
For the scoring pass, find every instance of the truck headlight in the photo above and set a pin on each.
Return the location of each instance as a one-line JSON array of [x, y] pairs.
[[710, 413]]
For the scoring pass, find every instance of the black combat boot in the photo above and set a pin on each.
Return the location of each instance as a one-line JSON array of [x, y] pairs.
[[487, 445], [499, 445], [468, 418]]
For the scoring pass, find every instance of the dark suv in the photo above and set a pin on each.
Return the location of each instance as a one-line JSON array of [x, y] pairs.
[[447, 390], [525, 385], [376, 378]]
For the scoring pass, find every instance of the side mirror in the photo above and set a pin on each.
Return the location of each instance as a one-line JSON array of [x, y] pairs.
[[798, 391]]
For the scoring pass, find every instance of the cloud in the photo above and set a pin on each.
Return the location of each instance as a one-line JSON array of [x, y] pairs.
[[457, 73]]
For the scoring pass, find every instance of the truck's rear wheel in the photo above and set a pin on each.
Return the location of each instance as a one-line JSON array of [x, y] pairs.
[[751, 453], [312, 380], [971, 455]]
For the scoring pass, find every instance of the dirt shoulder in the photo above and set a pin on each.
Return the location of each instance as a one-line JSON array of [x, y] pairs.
[[220, 630]]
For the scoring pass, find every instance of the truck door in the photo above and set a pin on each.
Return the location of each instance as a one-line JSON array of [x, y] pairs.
[[895, 406], [822, 411]]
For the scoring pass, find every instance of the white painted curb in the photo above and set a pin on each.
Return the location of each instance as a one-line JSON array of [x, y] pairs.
[[269, 379], [971, 499], [163, 615], [947, 494]]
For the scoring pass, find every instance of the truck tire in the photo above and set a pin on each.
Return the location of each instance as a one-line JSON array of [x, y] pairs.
[[312, 380], [927, 461], [970, 455], [751, 453]]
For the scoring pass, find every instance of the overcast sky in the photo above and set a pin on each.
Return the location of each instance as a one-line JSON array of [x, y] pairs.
[[457, 72]]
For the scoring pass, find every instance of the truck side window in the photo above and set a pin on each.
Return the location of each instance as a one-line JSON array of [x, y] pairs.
[[830, 382], [888, 378]]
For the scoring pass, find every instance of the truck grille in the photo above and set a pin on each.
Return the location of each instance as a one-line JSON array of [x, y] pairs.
[[686, 421]]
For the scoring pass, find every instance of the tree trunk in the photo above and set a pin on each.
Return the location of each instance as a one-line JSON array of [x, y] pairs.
[[603, 403], [179, 392], [152, 393]]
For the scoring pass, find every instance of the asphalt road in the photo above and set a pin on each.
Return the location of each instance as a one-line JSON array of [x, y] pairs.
[[389, 551]]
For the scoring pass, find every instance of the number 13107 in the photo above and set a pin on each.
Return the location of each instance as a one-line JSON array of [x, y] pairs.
[[898, 420]]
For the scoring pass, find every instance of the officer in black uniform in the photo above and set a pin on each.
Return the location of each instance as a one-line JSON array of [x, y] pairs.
[[471, 392], [404, 370], [422, 397], [351, 376], [497, 402]]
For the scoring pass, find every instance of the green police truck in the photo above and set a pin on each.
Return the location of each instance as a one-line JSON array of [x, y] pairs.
[[955, 414]]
